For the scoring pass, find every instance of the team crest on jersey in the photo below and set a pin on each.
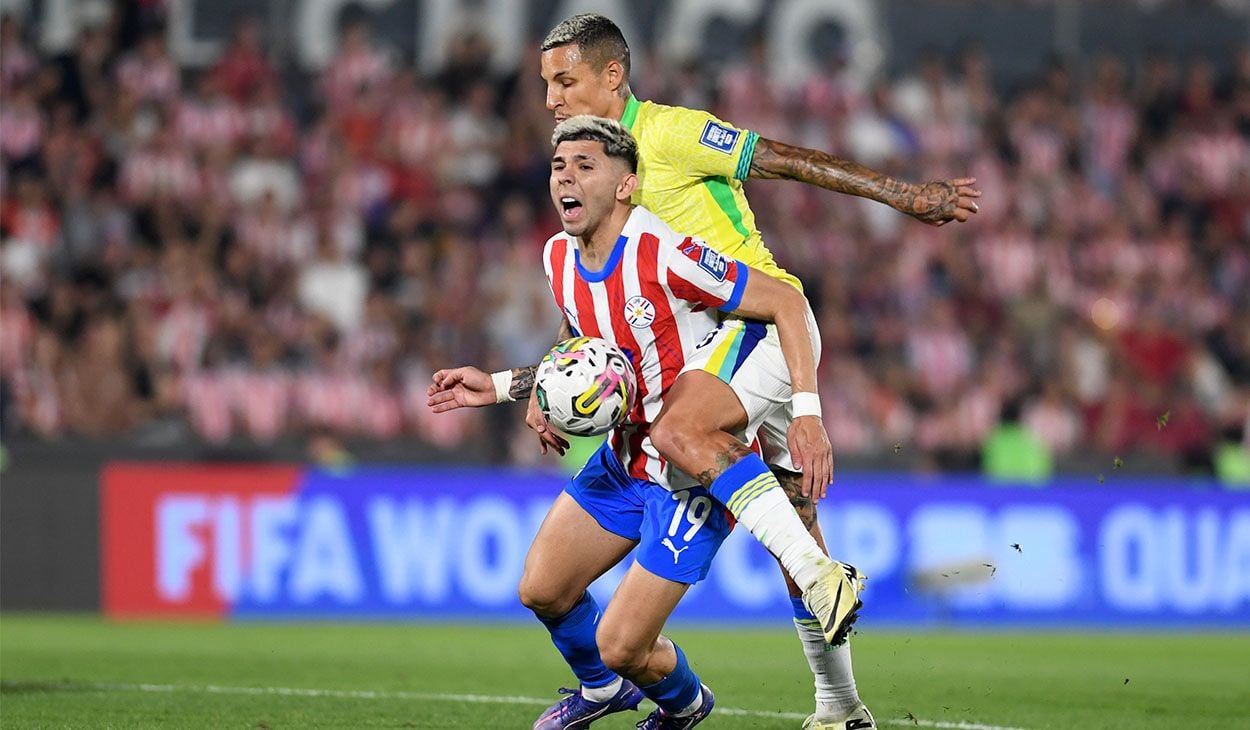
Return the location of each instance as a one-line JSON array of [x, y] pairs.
[[639, 312], [714, 264], [719, 137]]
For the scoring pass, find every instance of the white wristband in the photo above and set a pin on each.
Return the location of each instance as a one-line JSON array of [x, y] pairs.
[[805, 404], [503, 383]]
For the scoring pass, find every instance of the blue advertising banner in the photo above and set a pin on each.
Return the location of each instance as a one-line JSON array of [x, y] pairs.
[[450, 543]]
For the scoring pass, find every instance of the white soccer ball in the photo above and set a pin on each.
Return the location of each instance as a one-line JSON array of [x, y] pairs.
[[586, 386]]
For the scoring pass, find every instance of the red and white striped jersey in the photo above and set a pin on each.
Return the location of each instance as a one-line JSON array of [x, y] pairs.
[[655, 298], [206, 123], [150, 80], [24, 129]]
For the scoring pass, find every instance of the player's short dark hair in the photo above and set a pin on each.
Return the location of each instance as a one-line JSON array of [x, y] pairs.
[[616, 139], [598, 38]]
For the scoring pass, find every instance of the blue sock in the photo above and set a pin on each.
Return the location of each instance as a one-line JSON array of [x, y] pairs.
[[800, 611], [741, 483], [574, 635], [675, 692], [802, 615]]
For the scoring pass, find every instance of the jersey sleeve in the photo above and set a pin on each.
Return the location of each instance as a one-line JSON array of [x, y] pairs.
[[701, 145], [548, 269], [698, 273]]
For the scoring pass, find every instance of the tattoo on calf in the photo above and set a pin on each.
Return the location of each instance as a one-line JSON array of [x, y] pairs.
[[727, 458], [522, 381], [792, 483]]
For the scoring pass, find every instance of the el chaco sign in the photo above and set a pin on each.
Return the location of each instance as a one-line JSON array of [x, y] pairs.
[[871, 32], [674, 28]]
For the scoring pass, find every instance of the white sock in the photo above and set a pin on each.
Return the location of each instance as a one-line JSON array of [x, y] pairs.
[[604, 693], [772, 520], [689, 709], [836, 696]]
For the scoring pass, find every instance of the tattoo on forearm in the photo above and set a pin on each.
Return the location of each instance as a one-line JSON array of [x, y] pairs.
[[792, 483], [522, 381], [523, 378], [727, 458], [930, 202]]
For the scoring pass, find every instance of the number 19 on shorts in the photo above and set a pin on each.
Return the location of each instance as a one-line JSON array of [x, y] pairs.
[[692, 511]]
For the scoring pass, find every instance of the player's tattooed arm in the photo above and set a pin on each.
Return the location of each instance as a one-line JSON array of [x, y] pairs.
[[523, 378], [732, 454], [522, 381], [935, 203]]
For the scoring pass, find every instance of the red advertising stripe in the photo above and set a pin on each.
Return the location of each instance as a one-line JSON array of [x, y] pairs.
[[131, 496]]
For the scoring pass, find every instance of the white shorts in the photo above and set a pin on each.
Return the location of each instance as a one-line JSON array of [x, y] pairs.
[[747, 356]]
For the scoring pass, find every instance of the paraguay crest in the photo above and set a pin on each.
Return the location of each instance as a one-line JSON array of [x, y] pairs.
[[639, 312]]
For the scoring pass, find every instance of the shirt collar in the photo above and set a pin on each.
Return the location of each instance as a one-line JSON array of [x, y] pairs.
[[631, 113]]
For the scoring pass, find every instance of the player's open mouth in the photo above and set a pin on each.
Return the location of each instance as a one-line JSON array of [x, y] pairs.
[[570, 207]]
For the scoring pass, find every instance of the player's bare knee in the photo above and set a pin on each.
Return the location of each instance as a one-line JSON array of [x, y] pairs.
[[622, 656], [672, 437], [545, 599]]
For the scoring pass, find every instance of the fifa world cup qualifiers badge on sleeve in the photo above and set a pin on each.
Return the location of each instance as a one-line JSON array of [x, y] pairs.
[[714, 264], [719, 137]]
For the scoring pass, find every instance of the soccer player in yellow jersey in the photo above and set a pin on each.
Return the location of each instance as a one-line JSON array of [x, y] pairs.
[[691, 169]]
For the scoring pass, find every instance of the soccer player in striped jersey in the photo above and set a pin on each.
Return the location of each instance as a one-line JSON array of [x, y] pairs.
[[620, 273], [691, 169]]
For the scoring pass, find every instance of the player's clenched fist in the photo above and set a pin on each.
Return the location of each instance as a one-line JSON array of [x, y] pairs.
[[940, 202]]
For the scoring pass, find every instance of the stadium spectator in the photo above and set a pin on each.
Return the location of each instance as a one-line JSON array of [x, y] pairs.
[[242, 70], [1012, 453], [1232, 459], [148, 72], [358, 64], [18, 63]]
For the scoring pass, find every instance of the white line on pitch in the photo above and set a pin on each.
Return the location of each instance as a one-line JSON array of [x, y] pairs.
[[366, 694]]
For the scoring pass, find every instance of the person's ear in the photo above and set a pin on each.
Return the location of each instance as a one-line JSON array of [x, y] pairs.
[[614, 75], [625, 189]]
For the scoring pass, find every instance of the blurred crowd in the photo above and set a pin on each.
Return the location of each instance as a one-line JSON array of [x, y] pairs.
[[246, 252]]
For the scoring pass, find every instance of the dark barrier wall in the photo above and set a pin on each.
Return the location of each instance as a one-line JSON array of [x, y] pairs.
[[49, 530]]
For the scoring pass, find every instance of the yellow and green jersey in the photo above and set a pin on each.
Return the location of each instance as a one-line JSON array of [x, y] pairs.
[[691, 167]]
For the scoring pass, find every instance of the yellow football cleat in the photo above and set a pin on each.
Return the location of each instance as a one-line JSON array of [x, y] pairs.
[[834, 600], [860, 719]]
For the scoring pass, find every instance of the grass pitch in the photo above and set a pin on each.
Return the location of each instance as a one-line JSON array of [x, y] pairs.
[[83, 672]]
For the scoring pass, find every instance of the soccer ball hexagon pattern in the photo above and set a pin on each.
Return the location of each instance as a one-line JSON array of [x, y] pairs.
[[586, 386]]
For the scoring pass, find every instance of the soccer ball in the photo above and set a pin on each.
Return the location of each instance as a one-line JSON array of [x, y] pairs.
[[586, 386]]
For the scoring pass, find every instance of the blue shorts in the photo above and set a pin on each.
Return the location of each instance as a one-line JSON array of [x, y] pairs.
[[678, 532]]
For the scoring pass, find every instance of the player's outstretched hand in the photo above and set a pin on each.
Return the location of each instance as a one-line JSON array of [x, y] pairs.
[[465, 387], [811, 451], [942, 201], [548, 437]]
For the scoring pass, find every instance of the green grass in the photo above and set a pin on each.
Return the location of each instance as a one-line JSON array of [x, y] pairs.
[[53, 670]]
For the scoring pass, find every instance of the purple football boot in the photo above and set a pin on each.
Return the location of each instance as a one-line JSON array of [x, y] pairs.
[[575, 712], [657, 720]]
